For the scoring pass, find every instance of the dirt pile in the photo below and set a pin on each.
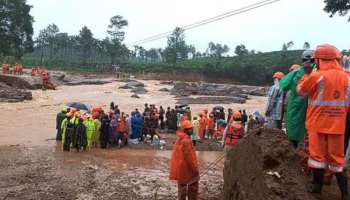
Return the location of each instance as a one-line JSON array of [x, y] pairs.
[[264, 166], [135, 87], [211, 89]]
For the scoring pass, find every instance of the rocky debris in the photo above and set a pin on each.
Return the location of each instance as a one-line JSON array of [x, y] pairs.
[[125, 87], [12, 95], [248, 169], [139, 90], [164, 90], [134, 83], [211, 100], [167, 83], [21, 82], [135, 96], [88, 82], [135, 86], [211, 89]]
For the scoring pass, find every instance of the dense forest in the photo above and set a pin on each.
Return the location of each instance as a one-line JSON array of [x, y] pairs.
[[56, 49]]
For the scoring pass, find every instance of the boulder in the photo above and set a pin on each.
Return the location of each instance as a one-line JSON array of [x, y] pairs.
[[139, 90], [135, 84], [164, 90], [135, 96]]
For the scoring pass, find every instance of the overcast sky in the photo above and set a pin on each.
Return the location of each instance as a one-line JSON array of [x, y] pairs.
[[264, 29]]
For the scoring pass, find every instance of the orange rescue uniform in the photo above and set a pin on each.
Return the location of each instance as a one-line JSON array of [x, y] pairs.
[[184, 167], [328, 90]]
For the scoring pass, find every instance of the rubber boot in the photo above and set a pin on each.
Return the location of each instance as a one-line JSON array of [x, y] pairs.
[[343, 185], [316, 187]]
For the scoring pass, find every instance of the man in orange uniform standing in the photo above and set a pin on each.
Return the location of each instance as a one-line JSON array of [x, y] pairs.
[[184, 165], [328, 91]]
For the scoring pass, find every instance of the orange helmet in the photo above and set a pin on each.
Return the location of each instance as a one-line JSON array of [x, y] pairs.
[[236, 115], [278, 75], [327, 52], [294, 67], [187, 124]]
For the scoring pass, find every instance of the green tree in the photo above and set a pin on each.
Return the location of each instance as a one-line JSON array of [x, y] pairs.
[[16, 28], [216, 50], [86, 43], [116, 26], [306, 46], [177, 48], [117, 51], [241, 50], [46, 40], [337, 6]]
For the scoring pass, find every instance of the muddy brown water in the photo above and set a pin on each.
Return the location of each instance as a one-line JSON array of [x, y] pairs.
[[42, 171]]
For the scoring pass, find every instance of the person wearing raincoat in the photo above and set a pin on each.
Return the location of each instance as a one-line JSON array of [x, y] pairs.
[[195, 134], [96, 136], [136, 126], [59, 118], [80, 134], [90, 130], [297, 105], [274, 110], [184, 165], [104, 136], [70, 131], [64, 125], [112, 132]]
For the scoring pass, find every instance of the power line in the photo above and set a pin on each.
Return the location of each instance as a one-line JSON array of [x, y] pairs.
[[207, 21]]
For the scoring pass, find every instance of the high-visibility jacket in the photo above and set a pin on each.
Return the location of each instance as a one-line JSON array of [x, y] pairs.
[[328, 91], [122, 125], [90, 130], [235, 132], [183, 163]]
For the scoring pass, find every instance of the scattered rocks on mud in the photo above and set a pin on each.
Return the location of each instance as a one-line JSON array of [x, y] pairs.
[[211, 89], [254, 167], [88, 82], [135, 86]]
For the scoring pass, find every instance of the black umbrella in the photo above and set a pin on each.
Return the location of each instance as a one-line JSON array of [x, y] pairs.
[[219, 108], [78, 105]]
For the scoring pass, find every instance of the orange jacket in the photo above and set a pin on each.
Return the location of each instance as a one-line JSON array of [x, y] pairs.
[[183, 163], [235, 131], [122, 126], [328, 90]]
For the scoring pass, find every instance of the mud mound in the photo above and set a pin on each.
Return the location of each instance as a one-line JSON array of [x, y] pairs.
[[264, 166]]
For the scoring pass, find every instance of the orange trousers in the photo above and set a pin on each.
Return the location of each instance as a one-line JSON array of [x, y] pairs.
[[326, 151], [188, 190]]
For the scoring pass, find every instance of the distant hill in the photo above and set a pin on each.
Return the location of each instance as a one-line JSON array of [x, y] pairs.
[[251, 69]]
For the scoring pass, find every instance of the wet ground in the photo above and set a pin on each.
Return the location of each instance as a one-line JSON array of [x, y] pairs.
[[32, 165]]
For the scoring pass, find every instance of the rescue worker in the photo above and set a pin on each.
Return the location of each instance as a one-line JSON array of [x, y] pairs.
[[233, 132], [122, 131], [184, 165], [274, 110], [136, 125], [328, 91], [5, 68], [297, 105]]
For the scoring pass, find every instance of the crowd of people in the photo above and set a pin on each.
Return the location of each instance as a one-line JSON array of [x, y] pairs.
[[314, 97], [16, 68], [97, 128]]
